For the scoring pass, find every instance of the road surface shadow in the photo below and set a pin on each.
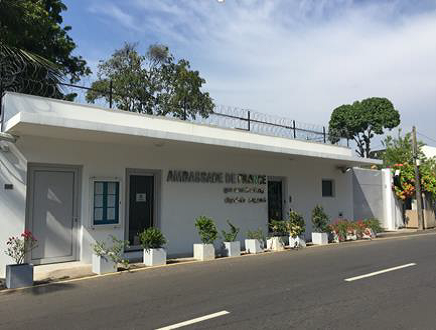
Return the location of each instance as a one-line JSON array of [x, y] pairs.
[[50, 288]]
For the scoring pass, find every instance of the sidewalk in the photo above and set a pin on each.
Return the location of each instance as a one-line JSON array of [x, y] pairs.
[[405, 232]]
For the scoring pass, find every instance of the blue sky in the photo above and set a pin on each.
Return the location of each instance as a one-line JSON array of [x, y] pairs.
[[294, 58]]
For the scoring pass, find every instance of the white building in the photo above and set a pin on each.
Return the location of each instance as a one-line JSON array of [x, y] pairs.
[[429, 151], [78, 173]]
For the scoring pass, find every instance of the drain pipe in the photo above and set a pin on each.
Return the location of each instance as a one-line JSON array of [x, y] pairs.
[[7, 137]]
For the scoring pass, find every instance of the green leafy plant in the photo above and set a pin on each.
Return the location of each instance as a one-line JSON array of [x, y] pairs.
[[256, 234], [230, 236], [277, 227], [296, 225], [206, 229], [152, 238], [113, 252], [320, 220], [374, 224]]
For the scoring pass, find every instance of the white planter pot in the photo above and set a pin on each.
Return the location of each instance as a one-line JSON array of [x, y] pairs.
[[155, 257], [320, 238], [232, 249], [351, 237], [368, 234], [19, 276], [103, 265], [336, 238], [275, 243], [204, 252], [253, 246], [297, 242]]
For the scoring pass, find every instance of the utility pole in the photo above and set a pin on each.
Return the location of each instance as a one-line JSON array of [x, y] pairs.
[[417, 180]]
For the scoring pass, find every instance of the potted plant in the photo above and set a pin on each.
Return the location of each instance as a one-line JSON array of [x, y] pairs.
[[152, 240], [208, 234], [339, 230], [20, 274], [105, 259], [276, 241], [351, 231], [320, 222], [255, 241], [373, 226], [296, 228], [232, 247], [361, 229]]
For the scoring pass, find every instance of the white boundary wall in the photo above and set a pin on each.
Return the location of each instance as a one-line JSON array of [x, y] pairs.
[[373, 197]]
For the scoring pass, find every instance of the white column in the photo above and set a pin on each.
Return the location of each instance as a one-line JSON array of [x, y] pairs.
[[389, 205]]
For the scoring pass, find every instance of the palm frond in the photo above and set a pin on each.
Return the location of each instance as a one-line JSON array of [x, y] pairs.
[[26, 72]]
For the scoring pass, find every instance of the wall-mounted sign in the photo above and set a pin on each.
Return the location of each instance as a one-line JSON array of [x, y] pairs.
[[141, 197], [234, 200], [255, 190], [215, 177]]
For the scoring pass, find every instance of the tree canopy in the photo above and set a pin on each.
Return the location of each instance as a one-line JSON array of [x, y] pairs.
[[30, 28], [361, 121], [399, 150], [398, 155], [153, 83]]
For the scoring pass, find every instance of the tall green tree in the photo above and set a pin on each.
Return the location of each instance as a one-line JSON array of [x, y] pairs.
[[399, 150], [153, 83], [361, 121], [33, 30]]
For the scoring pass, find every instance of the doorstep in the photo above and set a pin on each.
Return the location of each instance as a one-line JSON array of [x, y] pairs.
[[61, 271]]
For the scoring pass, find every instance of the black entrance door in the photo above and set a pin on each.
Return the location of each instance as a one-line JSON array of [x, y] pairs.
[[141, 205], [275, 206]]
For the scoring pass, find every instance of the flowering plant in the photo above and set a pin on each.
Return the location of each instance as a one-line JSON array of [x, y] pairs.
[[340, 228], [361, 228], [405, 187], [19, 246]]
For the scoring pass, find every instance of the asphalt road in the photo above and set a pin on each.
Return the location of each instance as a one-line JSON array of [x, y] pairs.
[[303, 289]]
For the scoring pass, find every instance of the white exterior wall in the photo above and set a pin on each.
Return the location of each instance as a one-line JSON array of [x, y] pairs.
[[429, 151], [180, 203], [12, 202]]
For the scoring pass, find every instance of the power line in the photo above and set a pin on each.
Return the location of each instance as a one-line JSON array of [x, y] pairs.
[[427, 137]]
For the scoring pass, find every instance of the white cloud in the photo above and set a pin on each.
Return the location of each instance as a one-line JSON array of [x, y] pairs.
[[300, 58]]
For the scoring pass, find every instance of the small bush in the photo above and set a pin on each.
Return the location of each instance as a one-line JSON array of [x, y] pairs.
[[296, 225], [374, 224], [256, 234], [114, 252], [230, 236], [277, 227], [206, 229], [152, 238], [320, 220]]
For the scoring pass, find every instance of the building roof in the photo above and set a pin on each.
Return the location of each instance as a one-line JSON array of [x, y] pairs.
[[33, 115]]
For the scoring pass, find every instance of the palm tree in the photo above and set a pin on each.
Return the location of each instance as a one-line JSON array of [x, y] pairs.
[[21, 70]]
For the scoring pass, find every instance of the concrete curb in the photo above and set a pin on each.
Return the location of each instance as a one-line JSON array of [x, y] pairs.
[[96, 276]]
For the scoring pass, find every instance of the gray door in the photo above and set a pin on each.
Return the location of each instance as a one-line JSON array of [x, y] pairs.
[[53, 213]]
